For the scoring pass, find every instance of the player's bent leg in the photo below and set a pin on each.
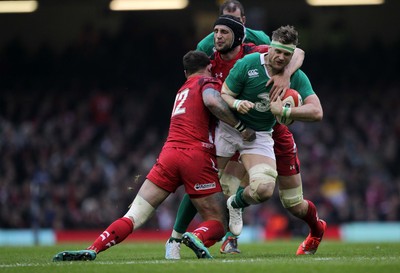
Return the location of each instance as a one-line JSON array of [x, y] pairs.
[[262, 183], [213, 212], [206, 234], [114, 234], [211, 207], [186, 212], [231, 177], [291, 195], [234, 178], [148, 198]]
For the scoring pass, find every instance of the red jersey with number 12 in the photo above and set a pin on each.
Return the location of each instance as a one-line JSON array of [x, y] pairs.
[[192, 124]]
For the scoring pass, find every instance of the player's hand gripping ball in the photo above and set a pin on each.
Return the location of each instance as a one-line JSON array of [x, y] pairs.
[[291, 99]]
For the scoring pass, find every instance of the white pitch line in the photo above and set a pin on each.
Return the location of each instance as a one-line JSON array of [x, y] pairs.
[[127, 262]]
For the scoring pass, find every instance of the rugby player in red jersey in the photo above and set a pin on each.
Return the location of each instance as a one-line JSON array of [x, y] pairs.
[[188, 158]]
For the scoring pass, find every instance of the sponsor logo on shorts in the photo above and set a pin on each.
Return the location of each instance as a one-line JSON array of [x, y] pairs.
[[253, 73], [203, 187], [207, 145]]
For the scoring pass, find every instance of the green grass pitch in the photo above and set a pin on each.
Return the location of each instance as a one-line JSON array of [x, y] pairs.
[[269, 256]]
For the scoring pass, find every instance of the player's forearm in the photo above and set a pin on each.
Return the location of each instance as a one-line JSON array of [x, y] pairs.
[[218, 107], [221, 110], [296, 62], [310, 111]]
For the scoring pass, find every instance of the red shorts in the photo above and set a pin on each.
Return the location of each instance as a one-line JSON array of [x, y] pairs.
[[287, 161], [195, 169]]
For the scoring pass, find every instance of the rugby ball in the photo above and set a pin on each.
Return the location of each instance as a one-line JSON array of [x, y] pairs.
[[291, 99]]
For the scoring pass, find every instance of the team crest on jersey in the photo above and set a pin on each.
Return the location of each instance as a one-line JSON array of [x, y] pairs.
[[253, 73], [203, 187]]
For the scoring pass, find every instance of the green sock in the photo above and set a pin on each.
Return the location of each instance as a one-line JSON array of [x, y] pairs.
[[238, 201], [229, 234], [240, 189], [186, 212]]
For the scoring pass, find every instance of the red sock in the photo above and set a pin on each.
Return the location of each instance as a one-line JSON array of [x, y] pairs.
[[114, 234], [210, 232], [311, 218], [210, 243]]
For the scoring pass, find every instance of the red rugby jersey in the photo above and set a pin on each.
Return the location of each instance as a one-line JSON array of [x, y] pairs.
[[192, 124]]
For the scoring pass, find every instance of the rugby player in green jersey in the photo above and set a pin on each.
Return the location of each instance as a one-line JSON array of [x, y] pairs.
[[246, 91], [235, 8]]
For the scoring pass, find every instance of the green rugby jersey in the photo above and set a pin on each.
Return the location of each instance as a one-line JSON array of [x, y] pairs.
[[248, 79]]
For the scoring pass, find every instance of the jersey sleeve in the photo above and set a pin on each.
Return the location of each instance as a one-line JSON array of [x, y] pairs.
[[302, 84], [257, 37], [207, 44], [211, 82]]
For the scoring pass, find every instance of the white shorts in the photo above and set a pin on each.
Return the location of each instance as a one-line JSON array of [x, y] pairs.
[[228, 140]]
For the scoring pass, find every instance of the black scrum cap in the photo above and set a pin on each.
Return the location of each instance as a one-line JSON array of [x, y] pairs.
[[235, 25]]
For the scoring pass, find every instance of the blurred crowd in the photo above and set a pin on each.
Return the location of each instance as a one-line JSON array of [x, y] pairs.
[[80, 129]]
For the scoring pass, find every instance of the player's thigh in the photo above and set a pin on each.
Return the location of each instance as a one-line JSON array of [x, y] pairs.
[[152, 193], [235, 169], [251, 160]]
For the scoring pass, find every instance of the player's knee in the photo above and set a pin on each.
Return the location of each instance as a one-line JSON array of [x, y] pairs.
[[262, 182], [139, 212], [292, 198], [229, 184]]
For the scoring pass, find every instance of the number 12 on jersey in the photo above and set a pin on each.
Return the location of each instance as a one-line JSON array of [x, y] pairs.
[[179, 101]]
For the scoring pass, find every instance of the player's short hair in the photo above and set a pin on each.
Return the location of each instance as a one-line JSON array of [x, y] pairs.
[[194, 61], [231, 6], [286, 35]]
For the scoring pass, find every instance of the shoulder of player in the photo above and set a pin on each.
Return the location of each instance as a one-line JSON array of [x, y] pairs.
[[251, 57], [250, 30], [257, 36], [248, 61], [207, 39], [300, 80], [206, 43], [209, 80]]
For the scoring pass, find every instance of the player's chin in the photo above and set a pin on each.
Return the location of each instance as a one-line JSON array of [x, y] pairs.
[[279, 65], [220, 47]]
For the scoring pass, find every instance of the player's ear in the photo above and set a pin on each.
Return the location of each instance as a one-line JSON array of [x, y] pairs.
[[186, 75], [209, 67], [243, 19]]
